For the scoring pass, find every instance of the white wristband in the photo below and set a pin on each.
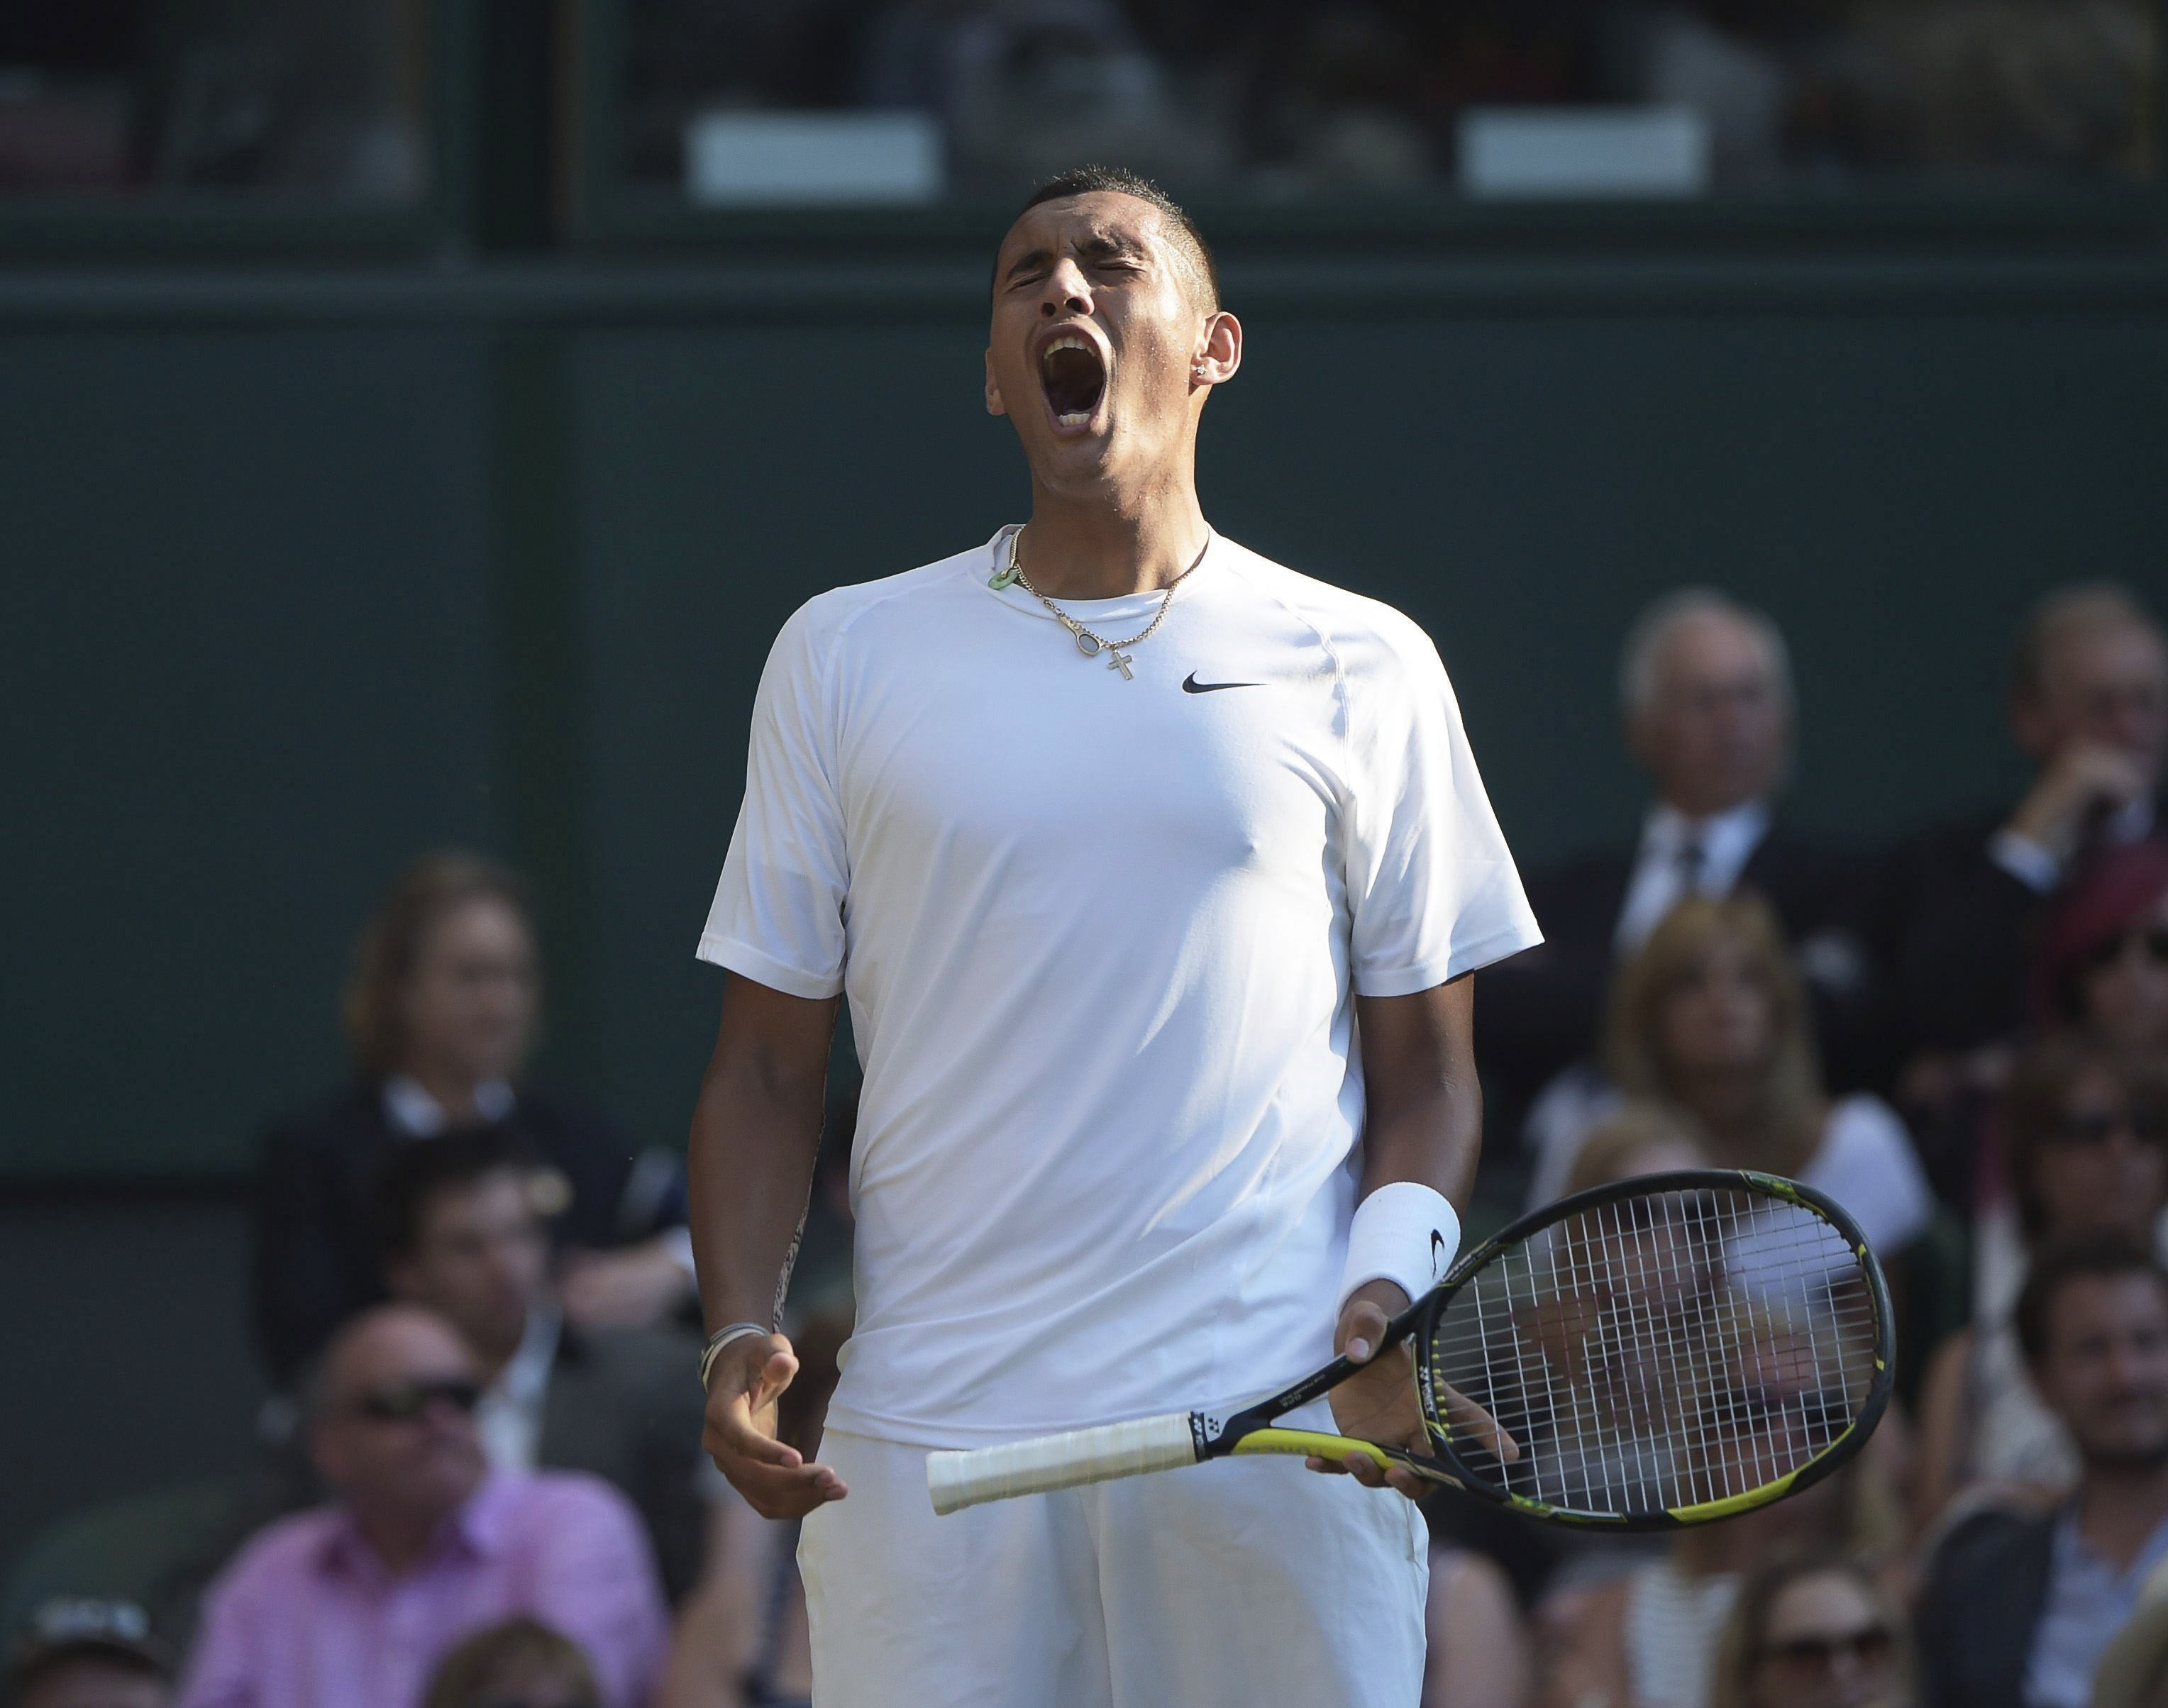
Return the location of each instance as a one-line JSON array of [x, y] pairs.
[[1403, 1232]]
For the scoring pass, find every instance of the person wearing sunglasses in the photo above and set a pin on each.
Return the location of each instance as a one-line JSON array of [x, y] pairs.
[[2085, 1149], [1814, 1631], [2102, 963], [352, 1605]]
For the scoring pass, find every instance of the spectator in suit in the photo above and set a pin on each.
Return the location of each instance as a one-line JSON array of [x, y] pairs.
[[521, 1663], [441, 1010], [1706, 689], [464, 1237], [352, 1605], [2084, 1137], [1951, 926], [1710, 1019], [90, 1654], [2019, 1609]]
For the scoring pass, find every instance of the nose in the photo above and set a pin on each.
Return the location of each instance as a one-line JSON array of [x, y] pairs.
[[1067, 292]]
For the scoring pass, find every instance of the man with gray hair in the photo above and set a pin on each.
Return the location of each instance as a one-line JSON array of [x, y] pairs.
[[1706, 694]]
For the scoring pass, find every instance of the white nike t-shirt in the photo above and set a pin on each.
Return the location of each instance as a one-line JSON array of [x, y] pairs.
[[1101, 939]]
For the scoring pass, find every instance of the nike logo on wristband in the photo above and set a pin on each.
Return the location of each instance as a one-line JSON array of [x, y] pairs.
[[1190, 685], [1437, 1254]]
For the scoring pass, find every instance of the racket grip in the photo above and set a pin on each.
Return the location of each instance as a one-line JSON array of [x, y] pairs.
[[1097, 1455]]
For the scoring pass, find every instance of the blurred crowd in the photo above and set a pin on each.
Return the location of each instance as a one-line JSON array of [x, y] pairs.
[[1281, 98], [1269, 97], [481, 1481]]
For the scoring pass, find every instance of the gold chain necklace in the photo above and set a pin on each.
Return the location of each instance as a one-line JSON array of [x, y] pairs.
[[1087, 642]]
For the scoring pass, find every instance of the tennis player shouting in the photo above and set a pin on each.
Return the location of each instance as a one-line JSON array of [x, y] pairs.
[[1152, 871]]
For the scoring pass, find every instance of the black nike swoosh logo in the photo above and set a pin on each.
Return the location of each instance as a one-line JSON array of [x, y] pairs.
[[1190, 685], [1437, 1254]]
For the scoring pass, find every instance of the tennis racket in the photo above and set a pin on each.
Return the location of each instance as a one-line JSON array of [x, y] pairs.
[[1668, 1350]]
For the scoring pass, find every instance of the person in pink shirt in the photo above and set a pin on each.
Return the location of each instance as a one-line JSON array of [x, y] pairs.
[[352, 1605]]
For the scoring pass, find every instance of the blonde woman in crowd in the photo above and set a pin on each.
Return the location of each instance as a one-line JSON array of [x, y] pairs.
[[442, 1012], [1646, 1636], [1711, 1020], [1813, 1631]]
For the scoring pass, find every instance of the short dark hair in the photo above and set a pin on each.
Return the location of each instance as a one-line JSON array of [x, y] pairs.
[[421, 1169], [1119, 180], [2079, 1257]]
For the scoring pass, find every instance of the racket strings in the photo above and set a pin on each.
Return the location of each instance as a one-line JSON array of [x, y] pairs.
[[1663, 1351]]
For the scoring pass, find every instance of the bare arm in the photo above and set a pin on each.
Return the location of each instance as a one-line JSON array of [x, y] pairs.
[[1423, 1122], [749, 1169], [1424, 1117]]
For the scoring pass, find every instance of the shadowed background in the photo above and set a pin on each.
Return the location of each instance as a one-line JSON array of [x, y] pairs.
[[314, 562]]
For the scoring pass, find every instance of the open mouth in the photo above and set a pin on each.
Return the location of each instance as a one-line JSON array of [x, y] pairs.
[[1075, 378]]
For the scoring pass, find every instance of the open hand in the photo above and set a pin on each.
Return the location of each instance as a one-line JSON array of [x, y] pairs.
[[776, 1480]]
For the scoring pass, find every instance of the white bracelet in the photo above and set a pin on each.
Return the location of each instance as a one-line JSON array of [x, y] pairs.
[[1404, 1233], [720, 1338]]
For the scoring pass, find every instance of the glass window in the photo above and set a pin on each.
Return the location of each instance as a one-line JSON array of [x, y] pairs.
[[739, 102], [318, 101]]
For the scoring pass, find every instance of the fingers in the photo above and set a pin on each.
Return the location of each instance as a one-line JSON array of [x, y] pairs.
[[1362, 1329], [772, 1376], [739, 1434], [1464, 1414], [735, 1433], [775, 1492], [1370, 1473], [775, 1478]]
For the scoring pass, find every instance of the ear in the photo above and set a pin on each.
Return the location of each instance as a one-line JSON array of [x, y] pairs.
[[994, 404], [1218, 350]]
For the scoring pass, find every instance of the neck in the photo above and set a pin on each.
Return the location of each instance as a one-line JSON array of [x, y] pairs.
[[399, 1540], [1702, 813], [1092, 548], [2119, 1507], [1728, 1104], [1706, 1550], [452, 1092], [493, 1359]]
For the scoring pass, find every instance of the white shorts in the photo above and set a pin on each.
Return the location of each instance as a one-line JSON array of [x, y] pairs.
[[1241, 1581]]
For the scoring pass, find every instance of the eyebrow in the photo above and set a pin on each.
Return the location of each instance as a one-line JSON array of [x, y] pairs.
[[1100, 246]]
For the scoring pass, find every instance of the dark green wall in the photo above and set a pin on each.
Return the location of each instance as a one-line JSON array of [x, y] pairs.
[[306, 574]]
